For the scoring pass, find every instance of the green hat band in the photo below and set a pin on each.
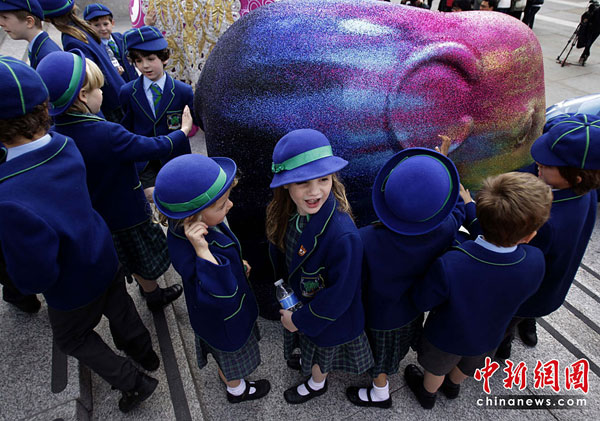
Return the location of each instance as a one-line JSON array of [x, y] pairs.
[[302, 159], [73, 83], [200, 200], [64, 6]]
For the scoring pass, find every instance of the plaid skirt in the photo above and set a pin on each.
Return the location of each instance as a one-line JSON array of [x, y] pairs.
[[391, 346], [352, 357], [143, 250], [234, 365]]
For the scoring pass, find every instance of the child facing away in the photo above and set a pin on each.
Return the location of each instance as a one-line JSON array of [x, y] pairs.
[[316, 247], [101, 19], [474, 289], [192, 191], [22, 19], [153, 102], [110, 153], [55, 243], [416, 197], [568, 160], [77, 33]]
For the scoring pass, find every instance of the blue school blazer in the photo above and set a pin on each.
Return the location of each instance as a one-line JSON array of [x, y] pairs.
[[42, 46], [96, 52], [129, 74], [110, 153], [473, 293], [52, 240], [325, 274], [221, 305], [393, 263]]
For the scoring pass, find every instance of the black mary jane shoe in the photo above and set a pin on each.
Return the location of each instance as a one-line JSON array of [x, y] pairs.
[[353, 396], [414, 379], [293, 397], [161, 297], [262, 388]]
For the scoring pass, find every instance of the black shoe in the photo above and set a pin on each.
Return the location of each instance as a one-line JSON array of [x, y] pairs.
[[29, 304], [503, 351], [352, 395], [262, 388], [450, 389], [160, 297], [292, 396], [414, 380], [294, 362], [528, 332], [144, 387], [150, 361]]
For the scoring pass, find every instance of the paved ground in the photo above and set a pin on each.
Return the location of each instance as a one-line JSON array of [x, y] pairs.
[[186, 393]]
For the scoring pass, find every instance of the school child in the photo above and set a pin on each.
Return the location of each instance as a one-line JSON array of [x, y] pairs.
[[110, 152], [192, 191], [22, 19], [316, 247], [416, 197], [568, 160], [474, 289], [77, 33], [154, 101], [101, 19], [56, 244]]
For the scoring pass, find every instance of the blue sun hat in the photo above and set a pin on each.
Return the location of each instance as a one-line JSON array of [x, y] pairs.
[[21, 89], [302, 155], [145, 38], [53, 8], [64, 73], [415, 191], [189, 183], [95, 10], [31, 6], [572, 141]]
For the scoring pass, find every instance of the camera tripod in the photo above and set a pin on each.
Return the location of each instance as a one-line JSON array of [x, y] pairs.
[[570, 44]]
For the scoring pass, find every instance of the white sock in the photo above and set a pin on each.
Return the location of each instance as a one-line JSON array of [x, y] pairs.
[[378, 394], [239, 389], [303, 391]]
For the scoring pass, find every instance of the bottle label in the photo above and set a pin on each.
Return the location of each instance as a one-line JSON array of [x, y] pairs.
[[288, 302]]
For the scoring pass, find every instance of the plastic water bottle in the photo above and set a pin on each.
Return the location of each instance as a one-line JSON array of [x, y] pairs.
[[286, 297]]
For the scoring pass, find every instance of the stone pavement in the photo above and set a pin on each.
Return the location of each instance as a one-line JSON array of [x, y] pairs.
[[187, 393]]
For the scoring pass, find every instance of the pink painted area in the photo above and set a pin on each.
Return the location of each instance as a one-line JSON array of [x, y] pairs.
[[249, 5], [136, 13]]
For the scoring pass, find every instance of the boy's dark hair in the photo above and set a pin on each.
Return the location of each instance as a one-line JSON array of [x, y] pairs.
[[135, 54], [493, 3], [24, 14], [97, 18], [511, 206], [27, 125], [590, 179]]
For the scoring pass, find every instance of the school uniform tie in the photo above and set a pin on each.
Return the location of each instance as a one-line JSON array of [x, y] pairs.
[[113, 47], [156, 95]]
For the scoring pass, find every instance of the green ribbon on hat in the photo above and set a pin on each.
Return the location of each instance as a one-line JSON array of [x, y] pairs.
[[302, 159], [200, 200], [73, 83], [64, 6]]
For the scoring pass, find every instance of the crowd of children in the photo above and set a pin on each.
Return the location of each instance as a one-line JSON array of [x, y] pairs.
[[79, 196]]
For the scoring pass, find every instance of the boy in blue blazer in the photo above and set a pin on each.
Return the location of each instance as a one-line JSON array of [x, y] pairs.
[[22, 19], [152, 103], [55, 243], [101, 19], [474, 289]]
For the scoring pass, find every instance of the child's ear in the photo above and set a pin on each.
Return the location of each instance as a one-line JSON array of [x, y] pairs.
[[528, 238], [578, 179], [82, 96], [30, 22]]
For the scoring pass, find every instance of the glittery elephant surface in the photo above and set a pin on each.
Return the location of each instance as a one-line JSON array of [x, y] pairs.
[[375, 78]]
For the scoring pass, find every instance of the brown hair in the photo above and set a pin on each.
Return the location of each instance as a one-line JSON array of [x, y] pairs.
[[590, 179], [22, 15], [94, 79], [73, 25], [135, 54], [511, 206], [282, 207], [98, 18], [27, 125]]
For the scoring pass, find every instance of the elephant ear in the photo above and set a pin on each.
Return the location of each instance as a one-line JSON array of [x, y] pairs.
[[433, 95]]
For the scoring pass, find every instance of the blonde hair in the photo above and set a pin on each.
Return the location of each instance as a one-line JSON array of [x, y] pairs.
[[512, 206], [73, 25], [282, 207], [94, 79]]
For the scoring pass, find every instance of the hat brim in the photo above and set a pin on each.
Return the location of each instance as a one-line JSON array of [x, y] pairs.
[[385, 214], [53, 111], [230, 169], [96, 14], [312, 170], [542, 154], [154, 45], [5, 7]]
